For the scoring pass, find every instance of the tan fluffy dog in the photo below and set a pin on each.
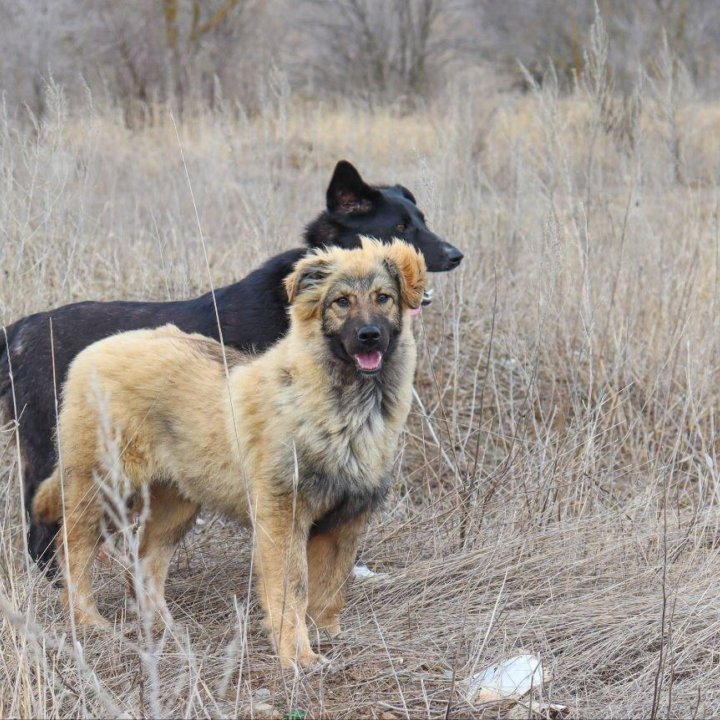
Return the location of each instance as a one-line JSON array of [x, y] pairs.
[[298, 442]]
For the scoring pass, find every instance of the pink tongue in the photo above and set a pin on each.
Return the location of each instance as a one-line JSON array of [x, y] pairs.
[[416, 311], [369, 361]]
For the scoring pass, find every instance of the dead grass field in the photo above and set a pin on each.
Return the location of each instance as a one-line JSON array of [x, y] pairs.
[[557, 489]]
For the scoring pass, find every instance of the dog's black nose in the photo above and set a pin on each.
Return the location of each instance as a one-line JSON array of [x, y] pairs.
[[369, 334], [454, 256]]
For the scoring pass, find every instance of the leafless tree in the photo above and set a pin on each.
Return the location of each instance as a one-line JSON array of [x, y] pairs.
[[380, 51], [32, 33], [175, 49], [535, 33], [141, 51]]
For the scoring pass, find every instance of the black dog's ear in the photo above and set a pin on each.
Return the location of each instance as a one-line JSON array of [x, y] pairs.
[[407, 194], [348, 193], [307, 278]]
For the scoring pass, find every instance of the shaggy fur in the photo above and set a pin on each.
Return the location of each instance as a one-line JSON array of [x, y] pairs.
[[298, 443], [252, 315]]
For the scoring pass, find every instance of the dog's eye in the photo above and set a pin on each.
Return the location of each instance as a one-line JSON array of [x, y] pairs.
[[382, 298], [402, 227], [343, 302]]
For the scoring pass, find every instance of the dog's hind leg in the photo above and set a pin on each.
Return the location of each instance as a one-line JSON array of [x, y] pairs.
[[171, 516], [40, 534], [38, 461], [82, 523], [330, 560]]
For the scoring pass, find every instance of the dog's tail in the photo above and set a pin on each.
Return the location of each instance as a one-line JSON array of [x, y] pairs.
[[47, 503]]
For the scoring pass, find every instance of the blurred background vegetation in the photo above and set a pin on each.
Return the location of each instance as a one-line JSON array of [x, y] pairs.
[[187, 54]]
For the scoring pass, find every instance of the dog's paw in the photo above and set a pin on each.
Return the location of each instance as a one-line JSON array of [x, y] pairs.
[[306, 660], [327, 627], [331, 631], [318, 663], [91, 619]]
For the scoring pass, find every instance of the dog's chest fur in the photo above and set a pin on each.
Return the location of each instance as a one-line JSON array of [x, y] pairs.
[[344, 459], [331, 439], [348, 440]]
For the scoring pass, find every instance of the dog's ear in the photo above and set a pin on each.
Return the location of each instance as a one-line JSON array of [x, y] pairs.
[[406, 194], [307, 277], [348, 193], [407, 266]]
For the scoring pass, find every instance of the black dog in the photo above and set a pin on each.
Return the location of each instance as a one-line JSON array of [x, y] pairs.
[[252, 316]]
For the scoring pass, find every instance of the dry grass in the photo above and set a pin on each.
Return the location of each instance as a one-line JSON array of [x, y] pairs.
[[557, 489]]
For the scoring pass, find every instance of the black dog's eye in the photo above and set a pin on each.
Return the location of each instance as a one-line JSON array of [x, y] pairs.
[[343, 302], [402, 227], [382, 298]]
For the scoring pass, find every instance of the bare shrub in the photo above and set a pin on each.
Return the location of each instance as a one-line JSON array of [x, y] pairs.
[[137, 53], [380, 52], [176, 50], [534, 33]]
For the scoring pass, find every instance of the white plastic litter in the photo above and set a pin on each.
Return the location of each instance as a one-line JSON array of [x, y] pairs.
[[510, 679], [362, 572], [545, 710]]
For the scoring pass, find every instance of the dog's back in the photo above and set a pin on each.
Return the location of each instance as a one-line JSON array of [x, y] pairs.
[[141, 401], [159, 392]]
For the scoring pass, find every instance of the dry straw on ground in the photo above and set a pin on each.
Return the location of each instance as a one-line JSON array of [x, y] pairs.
[[557, 489]]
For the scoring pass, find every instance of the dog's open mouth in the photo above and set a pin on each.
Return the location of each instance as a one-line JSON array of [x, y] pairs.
[[369, 362]]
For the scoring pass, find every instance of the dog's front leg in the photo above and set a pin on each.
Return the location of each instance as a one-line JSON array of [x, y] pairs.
[[281, 544], [330, 561]]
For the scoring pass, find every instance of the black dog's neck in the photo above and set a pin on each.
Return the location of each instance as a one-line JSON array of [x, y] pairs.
[[324, 231]]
